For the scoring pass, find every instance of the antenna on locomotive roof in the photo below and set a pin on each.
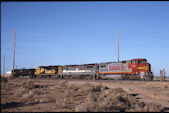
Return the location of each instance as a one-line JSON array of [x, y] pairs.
[[118, 44]]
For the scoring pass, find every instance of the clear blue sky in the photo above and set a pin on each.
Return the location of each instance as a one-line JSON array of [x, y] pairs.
[[59, 33]]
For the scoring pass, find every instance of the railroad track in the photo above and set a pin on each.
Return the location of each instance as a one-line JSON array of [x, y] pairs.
[[84, 79]]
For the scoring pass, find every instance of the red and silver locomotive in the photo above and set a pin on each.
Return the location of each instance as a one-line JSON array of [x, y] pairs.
[[130, 69]]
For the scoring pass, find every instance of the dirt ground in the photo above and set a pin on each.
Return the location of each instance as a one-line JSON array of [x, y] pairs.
[[54, 95]]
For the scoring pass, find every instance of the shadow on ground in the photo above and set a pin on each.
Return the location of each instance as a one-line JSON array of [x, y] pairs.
[[165, 109], [11, 105], [20, 104]]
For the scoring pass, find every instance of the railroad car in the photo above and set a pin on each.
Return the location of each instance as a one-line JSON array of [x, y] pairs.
[[23, 72], [48, 71], [81, 71], [129, 69]]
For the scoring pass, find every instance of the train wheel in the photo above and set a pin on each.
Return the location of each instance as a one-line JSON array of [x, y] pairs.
[[97, 76], [61, 76], [126, 77], [33, 76], [94, 76], [123, 77], [137, 77], [151, 77]]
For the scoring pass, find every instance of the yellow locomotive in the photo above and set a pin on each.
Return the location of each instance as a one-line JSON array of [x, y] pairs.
[[48, 71]]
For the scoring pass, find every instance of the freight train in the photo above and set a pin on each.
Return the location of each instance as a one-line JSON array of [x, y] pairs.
[[138, 69]]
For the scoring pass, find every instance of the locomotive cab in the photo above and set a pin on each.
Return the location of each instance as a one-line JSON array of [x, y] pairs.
[[143, 65], [142, 68]]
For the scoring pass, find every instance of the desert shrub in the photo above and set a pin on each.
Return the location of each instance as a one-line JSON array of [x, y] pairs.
[[4, 79], [61, 103], [63, 84], [114, 100]]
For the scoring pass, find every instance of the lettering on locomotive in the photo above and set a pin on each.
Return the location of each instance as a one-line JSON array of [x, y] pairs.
[[119, 67]]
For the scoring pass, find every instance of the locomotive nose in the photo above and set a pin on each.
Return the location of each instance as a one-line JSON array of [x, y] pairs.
[[148, 69]]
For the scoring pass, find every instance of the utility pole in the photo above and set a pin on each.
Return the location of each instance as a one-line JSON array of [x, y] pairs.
[[118, 44], [7, 68], [32, 65], [14, 53], [4, 66]]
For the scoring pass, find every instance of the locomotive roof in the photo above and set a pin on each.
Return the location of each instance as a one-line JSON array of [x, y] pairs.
[[81, 65], [71, 65], [90, 64], [55, 66], [105, 63], [139, 59], [114, 62], [24, 69]]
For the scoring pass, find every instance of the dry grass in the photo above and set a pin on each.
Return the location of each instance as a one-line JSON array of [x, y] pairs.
[[4, 79], [103, 99], [61, 96]]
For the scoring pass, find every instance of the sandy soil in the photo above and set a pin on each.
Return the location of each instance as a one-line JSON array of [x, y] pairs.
[[50, 95]]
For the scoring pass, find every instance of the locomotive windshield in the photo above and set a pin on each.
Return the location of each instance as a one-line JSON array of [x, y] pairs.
[[142, 61]]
